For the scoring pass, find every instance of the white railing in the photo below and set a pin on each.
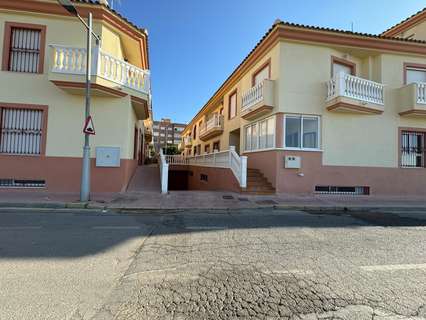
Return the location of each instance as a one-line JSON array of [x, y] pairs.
[[71, 60], [225, 159], [421, 92], [216, 121], [164, 172], [345, 85], [176, 159], [253, 96]]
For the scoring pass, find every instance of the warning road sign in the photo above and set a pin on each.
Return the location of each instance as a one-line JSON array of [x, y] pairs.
[[89, 127]]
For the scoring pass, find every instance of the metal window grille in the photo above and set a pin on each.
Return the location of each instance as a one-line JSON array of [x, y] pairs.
[[342, 190], [24, 50], [413, 149], [21, 131]]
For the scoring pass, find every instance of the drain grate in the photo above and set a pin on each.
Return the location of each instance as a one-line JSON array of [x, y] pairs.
[[226, 197]]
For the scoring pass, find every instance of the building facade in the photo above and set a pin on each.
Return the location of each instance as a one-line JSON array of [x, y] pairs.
[[167, 134], [319, 110], [42, 96]]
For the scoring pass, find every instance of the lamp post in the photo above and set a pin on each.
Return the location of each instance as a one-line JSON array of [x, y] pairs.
[[85, 173]]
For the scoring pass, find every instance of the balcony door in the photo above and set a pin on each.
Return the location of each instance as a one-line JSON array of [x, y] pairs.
[[263, 73], [339, 66]]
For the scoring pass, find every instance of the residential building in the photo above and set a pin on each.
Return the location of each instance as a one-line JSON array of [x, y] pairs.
[[42, 96], [167, 134], [320, 110]]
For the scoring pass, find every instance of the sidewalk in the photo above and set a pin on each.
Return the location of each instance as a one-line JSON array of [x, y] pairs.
[[133, 201]]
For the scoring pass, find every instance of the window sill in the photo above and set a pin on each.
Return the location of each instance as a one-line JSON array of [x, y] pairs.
[[259, 150], [302, 150], [21, 155]]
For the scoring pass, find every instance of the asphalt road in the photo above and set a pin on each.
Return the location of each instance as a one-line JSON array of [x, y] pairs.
[[252, 264]]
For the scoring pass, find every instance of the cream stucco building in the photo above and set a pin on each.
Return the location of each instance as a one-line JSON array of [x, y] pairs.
[[42, 96], [326, 111]]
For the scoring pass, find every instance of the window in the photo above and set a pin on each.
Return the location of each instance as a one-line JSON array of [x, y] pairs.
[[207, 148], [415, 74], [302, 132], [199, 149], [413, 149], [262, 74], [22, 130], [24, 46], [341, 66], [233, 105], [195, 132], [216, 145], [260, 135]]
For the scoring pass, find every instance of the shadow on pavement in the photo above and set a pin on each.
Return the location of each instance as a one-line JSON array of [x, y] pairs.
[[59, 235]]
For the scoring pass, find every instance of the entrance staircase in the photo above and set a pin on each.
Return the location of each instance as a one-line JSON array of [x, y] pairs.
[[257, 183]]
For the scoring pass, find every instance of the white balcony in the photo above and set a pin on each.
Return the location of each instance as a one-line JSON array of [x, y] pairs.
[[212, 127], [347, 93], [110, 76], [413, 100], [258, 100]]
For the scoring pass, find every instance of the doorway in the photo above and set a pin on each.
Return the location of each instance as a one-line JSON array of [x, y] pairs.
[[234, 139]]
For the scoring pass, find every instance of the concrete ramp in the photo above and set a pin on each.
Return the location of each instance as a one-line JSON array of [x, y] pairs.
[[146, 178]]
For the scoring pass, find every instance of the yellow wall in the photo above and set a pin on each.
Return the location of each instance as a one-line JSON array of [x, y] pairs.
[[114, 118], [301, 70], [347, 139], [242, 86]]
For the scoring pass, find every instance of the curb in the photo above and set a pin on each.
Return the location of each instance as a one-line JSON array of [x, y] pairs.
[[218, 210]]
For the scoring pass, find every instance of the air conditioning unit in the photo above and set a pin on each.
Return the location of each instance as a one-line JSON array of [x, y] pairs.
[[292, 162]]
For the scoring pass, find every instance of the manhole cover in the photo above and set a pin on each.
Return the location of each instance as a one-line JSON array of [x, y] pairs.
[[266, 202], [228, 197]]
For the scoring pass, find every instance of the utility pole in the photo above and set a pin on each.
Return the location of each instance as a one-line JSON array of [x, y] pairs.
[[85, 172]]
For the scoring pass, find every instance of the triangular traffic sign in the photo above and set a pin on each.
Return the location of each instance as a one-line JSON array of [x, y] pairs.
[[89, 127]]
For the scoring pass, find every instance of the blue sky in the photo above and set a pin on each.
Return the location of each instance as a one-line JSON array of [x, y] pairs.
[[196, 44]]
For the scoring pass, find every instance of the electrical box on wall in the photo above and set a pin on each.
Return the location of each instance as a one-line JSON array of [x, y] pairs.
[[108, 157], [292, 162]]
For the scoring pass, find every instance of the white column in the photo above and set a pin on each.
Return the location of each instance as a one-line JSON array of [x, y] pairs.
[[243, 182]]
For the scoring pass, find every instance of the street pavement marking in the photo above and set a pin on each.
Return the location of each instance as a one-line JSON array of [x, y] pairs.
[[116, 228], [392, 267], [21, 228], [205, 227]]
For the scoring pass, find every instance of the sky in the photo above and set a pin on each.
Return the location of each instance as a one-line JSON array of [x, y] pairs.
[[194, 45]]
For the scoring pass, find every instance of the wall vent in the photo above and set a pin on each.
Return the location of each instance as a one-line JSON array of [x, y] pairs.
[[342, 190], [20, 183]]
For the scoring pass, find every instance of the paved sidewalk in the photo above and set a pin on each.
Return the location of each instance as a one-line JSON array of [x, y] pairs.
[[201, 200]]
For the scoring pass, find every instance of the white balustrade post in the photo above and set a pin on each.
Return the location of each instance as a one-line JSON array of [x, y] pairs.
[[340, 84], [164, 178], [243, 181], [214, 156], [231, 149]]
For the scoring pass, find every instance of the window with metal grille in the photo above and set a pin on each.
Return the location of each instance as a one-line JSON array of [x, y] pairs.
[[413, 149], [24, 54], [21, 131]]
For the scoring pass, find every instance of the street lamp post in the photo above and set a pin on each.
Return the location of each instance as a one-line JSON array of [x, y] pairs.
[[85, 172]]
